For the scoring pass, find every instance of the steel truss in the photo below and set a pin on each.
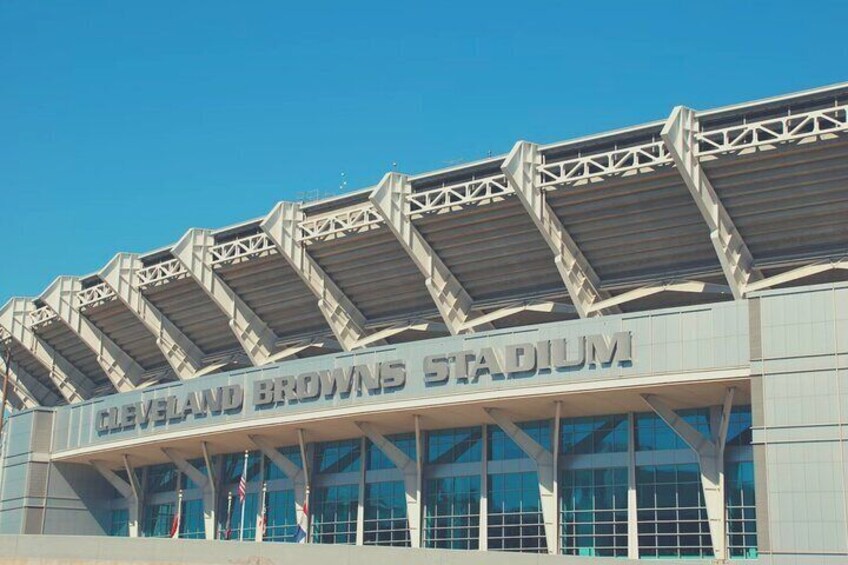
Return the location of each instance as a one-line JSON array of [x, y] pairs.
[[357, 219], [95, 296], [768, 134]]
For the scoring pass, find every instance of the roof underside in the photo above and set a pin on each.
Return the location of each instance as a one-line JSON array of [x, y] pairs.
[[778, 167]]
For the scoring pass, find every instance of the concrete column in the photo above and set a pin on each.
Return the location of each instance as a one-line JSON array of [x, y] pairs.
[[204, 482], [632, 501], [296, 475], [483, 534], [360, 507], [710, 452]]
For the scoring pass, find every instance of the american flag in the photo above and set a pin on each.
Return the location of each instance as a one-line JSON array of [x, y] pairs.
[[242, 488]]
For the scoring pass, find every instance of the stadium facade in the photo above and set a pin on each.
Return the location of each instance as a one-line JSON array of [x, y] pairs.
[[630, 345]]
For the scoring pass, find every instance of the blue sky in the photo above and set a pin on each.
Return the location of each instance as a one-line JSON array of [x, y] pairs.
[[123, 124]]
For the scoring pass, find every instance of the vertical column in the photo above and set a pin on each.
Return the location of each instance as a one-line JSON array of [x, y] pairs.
[[632, 501], [360, 507], [556, 445], [484, 492]]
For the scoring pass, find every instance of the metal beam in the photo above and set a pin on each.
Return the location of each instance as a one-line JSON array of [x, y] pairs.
[[204, 482], [344, 318], [710, 452], [423, 326], [121, 275], [257, 339], [679, 135], [71, 382], [126, 489], [295, 348], [28, 388], [521, 168], [411, 479], [544, 306], [135, 502], [391, 199], [694, 287], [796, 274], [544, 460], [123, 371]]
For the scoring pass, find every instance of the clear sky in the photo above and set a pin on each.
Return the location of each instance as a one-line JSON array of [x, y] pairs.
[[122, 124]]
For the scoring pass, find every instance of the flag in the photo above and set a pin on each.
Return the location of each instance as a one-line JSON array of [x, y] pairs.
[[263, 522], [229, 531], [300, 533], [242, 486], [175, 525]]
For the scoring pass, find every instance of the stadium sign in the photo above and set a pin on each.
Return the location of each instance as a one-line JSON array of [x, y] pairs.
[[467, 366]]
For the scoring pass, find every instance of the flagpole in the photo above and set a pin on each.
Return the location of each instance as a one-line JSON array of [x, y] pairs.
[[177, 516], [260, 534], [243, 500], [229, 529]]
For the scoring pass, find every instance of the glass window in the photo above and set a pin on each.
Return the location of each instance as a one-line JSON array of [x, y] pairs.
[[458, 445], [338, 456], [200, 465], [385, 514], [334, 514], [672, 516], [292, 452], [161, 478], [233, 467], [378, 460], [120, 523], [515, 513], [594, 512], [282, 521], [452, 512], [158, 519], [232, 510], [191, 520], [502, 447], [741, 510], [595, 434], [739, 430], [652, 433]]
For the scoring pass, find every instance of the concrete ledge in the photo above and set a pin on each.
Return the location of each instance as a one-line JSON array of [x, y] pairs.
[[79, 550]]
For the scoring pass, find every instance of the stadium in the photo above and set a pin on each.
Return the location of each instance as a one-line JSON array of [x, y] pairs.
[[630, 345]]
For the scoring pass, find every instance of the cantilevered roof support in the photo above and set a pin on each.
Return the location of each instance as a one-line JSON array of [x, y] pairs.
[[121, 275], [205, 482], [123, 371], [129, 490], [257, 339], [29, 389], [391, 199], [71, 382], [411, 478], [710, 452], [544, 460], [581, 281], [733, 254], [344, 318], [297, 475]]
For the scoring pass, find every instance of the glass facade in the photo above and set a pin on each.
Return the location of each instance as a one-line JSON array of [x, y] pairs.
[[741, 509], [191, 520], [594, 512], [119, 525], [596, 466], [459, 445], [334, 514], [282, 522], [672, 515], [385, 514], [452, 512], [515, 513], [157, 520]]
